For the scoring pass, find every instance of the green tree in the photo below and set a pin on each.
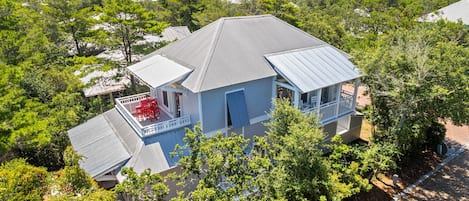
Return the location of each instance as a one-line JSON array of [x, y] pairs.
[[146, 186], [128, 21], [73, 17], [73, 183], [22, 181], [219, 163], [416, 77]]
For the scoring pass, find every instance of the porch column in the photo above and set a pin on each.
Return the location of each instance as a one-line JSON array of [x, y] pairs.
[[356, 83], [318, 105], [296, 99], [339, 91]]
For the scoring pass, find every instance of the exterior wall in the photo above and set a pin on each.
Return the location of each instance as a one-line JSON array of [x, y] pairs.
[[355, 127], [258, 94], [352, 134], [190, 106], [330, 130]]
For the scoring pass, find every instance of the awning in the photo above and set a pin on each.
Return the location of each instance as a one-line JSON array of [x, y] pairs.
[[313, 68], [157, 71], [237, 108]]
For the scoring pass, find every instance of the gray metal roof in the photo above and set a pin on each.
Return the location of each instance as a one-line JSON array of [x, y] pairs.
[[157, 71], [453, 12], [108, 142], [175, 33], [97, 142], [230, 50], [312, 68]]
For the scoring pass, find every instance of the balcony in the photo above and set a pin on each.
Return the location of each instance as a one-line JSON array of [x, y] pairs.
[[332, 110], [145, 128]]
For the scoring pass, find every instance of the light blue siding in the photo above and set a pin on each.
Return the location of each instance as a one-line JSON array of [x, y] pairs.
[[258, 94], [190, 104]]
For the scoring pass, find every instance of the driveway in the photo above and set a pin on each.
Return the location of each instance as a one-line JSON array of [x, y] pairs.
[[451, 182]]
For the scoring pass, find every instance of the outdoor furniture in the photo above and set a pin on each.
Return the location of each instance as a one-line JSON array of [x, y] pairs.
[[148, 109]]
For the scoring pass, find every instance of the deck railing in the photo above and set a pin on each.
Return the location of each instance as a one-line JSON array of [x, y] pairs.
[[328, 111], [126, 106]]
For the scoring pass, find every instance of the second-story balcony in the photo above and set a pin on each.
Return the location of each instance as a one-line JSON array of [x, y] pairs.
[[145, 125], [331, 110]]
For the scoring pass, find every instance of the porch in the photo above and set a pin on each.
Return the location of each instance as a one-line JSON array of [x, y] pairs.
[[328, 103], [146, 127]]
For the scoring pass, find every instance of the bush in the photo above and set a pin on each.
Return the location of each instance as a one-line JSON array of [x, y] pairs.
[[435, 134]]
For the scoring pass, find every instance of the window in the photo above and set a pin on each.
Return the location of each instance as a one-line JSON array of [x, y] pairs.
[[165, 98]]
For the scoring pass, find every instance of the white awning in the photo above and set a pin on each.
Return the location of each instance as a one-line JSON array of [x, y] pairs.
[[313, 68], [157, 71]]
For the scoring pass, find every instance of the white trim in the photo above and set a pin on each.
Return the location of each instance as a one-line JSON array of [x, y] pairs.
[[258, 119], [199, 100]]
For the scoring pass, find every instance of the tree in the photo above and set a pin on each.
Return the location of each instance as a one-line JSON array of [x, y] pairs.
[[219, 163], [22, 181], [127, 21], [73, 17], [416, 77], [73, 183], [146, 186]]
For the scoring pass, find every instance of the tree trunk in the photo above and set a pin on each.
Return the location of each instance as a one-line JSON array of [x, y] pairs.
[[75, 39]]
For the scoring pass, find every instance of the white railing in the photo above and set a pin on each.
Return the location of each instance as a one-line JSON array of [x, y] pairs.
[[166, 125], [126, 106], [328, 111]]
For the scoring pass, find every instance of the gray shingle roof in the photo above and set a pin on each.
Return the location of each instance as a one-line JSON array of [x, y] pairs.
[[230, 50], [452, 12]]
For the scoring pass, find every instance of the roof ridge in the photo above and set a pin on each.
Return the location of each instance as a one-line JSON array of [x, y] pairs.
[[127, 148], [208, 58]]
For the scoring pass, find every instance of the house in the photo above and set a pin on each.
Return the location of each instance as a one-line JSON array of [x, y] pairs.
[[224, 76], [453, 12]]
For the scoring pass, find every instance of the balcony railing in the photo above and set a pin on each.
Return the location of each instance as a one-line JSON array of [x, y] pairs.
[[329, 111], [126, 106]]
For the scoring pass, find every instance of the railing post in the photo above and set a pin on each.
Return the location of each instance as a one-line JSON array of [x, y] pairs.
[[355, 92], [339, 89]]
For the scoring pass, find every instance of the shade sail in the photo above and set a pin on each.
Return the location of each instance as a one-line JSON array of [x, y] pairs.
[[157, 71], [237, 109], [314, 68]]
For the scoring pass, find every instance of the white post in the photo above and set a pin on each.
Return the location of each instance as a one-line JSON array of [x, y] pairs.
[[296, 99], [339, 89], [355, 92], [318, 105]]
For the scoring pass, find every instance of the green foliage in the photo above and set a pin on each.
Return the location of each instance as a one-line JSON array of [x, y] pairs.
[[146, 186], [127, 21], [415, 77], [73, 183], [22, 181], [220, 164], [435, 134]]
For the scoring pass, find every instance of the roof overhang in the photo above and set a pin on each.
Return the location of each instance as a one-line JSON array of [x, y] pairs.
[[157, 71], [309, 69]]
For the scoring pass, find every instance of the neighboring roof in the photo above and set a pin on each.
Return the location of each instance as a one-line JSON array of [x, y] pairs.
[[313, 68], [97, 142], [175, 33], [453, 12], [105, 82], [230, 50], [157, 71]]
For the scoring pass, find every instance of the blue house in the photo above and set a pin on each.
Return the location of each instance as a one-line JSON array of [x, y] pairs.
[[224, 76]]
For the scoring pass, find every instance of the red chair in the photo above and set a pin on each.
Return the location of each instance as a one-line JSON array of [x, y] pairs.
[[139, 113]]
